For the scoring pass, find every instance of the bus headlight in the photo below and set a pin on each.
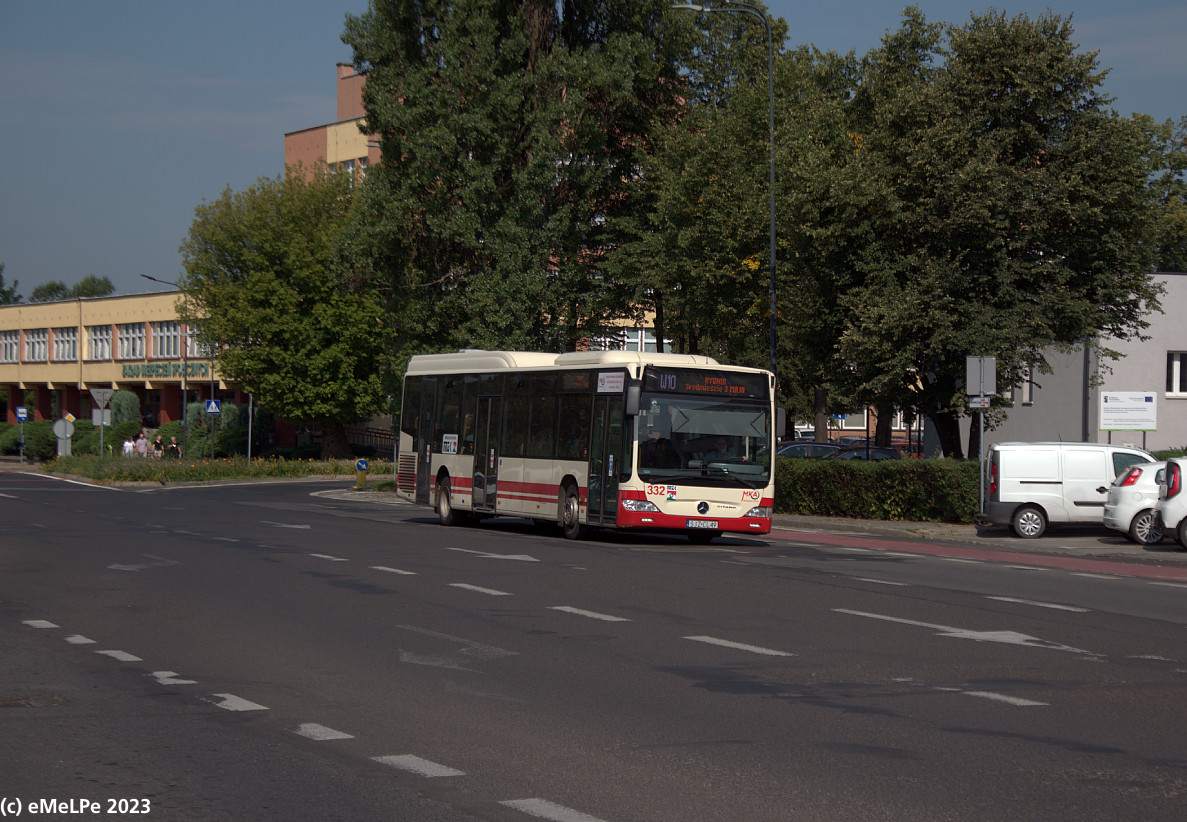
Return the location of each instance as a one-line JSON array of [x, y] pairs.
[[760, 512], [639, 506]]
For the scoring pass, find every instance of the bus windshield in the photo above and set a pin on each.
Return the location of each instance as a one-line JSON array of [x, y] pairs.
[[703, 440]]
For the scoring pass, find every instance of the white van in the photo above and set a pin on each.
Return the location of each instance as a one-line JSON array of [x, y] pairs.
[[1033, 483]]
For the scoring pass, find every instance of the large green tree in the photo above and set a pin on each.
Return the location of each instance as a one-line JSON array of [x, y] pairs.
[[1004, 209], [509, 133], [268, 287]]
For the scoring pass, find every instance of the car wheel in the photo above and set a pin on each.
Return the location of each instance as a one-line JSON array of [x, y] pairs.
[[1181, 532], [1145, 528], [1028, 522]]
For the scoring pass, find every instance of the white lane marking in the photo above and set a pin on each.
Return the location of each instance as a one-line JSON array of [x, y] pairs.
[[320, 733], [230, 702], [848, 548], [79, 639], [9, 496], [1040, 604], [1093, 576], [392, 570], [543, 809], [591, 614], [897, 554], [330, 558], [486, 555], [284, 525], [490, 591], [122, 656], [1007, 637], [881, 581], [423, 767], [725, 643], [39, 623], [171, 678], [1027, 568], [157, 562], [965, 561], [1170, 584], [1009, 700], [63, 479]]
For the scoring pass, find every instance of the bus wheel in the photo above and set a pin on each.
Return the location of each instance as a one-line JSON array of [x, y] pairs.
[[570, 504], [445, 511], [702, 537]]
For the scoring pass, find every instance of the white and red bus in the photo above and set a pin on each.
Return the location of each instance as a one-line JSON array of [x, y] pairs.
[[590, 439]]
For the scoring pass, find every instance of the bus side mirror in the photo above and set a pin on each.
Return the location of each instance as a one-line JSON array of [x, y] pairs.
[[780, 423], [634, 391]]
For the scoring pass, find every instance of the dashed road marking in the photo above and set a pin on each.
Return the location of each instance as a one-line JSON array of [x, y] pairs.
[[591, 614], [881, 581], [1040, 604], [725, 643], [330, 558], [171, 678], [320, 733], [122, 656], [78, 639], [39, 623], [230, 702], [1009, 700], [478, 589], [416, 765], [543, 809], [387, 570], [1007, 637], [285, 525]]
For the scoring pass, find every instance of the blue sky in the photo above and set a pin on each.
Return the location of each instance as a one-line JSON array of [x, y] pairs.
[[117, 118]]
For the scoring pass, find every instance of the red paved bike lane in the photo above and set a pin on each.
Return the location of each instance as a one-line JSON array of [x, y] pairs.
[[1096, 566]]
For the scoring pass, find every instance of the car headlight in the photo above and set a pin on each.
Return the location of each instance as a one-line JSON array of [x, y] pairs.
[[639, 505], [761, 511]]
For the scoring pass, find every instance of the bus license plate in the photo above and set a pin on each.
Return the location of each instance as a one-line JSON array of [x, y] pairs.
[[703, 523]]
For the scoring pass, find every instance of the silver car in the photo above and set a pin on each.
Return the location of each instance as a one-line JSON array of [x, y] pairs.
[[1131, 501]]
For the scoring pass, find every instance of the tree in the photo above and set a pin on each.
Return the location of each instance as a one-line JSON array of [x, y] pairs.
[[1168, 170], [8, 294], [267, 287], [1008, 211], [509, 133], [89, 286]]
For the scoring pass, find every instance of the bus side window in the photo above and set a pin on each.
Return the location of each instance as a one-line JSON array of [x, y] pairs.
[[410, 415], [542, 425], [573, 428], [515, 417]]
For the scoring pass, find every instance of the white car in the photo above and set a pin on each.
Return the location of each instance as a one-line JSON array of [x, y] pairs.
[[1131, 500], [1172, 502]]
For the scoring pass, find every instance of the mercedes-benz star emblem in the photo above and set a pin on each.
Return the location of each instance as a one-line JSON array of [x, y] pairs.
[[702, 507]]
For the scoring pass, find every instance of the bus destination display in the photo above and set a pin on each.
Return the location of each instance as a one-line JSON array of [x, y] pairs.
[[705, 383]]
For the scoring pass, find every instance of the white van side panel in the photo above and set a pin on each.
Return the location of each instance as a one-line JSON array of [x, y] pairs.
[[1031, 464], [1084, 471]]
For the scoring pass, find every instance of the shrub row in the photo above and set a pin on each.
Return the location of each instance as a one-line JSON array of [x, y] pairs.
[[933, 490]]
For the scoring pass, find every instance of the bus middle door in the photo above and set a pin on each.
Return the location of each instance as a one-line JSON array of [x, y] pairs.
[[486, 452]]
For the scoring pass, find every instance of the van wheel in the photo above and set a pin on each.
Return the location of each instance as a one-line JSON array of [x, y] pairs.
[[1182, 532], [1145, 529], [1028, 522], [445, 511], [570, 504]]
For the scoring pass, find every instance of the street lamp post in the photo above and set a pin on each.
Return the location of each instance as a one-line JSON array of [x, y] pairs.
[[184, 364], [730, 5]]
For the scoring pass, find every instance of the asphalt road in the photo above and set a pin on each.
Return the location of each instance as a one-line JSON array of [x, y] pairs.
[[298, 651]]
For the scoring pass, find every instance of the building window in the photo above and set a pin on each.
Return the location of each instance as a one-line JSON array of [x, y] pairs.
[[1176, 374], [98, 342], [628, 339], [37, 345], [65, 344], [131, 341], [1026, 389], [854, 421], [10, 346], [166, 339]]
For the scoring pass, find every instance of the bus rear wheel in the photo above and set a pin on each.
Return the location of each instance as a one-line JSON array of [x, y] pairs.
[[445, 511], [570, 503]]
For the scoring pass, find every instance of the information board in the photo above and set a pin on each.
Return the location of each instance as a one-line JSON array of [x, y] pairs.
[[1128, 410]]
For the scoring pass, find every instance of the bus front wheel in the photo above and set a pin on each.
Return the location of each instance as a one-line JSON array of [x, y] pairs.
[[570, 503]]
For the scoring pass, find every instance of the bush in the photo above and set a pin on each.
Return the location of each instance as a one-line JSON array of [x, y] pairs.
[[40, 441], [936, 490], [125, 407]]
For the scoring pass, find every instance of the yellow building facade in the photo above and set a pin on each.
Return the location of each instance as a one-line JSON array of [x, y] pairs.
[[61, 350]]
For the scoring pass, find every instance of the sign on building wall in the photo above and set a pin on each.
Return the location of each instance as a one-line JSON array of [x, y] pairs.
[[1129, 411]]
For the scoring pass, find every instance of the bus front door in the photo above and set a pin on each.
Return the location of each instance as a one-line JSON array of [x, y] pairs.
[[605, 460], [424, 442], [486, 452]]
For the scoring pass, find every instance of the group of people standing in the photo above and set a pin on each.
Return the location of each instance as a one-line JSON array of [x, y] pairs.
[[139, 447]]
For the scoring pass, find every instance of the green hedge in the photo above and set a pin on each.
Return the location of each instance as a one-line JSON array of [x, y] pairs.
[[933, 490]]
